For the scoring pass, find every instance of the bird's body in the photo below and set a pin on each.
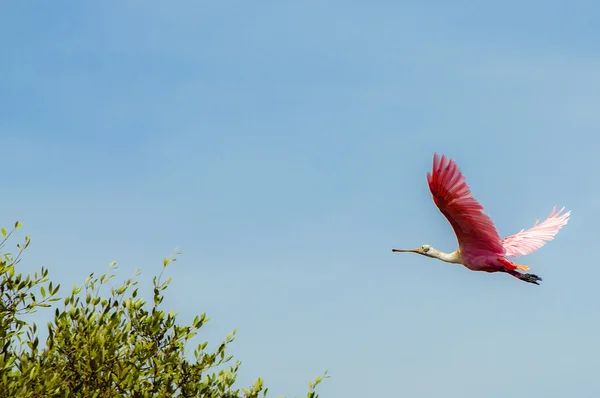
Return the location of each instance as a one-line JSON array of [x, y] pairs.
[[480, 247]]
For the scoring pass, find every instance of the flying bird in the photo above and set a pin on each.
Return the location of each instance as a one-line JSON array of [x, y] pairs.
[[480, 247]]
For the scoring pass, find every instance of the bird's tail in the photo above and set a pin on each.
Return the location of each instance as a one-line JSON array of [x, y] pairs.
[[522, 267], [512, 266]]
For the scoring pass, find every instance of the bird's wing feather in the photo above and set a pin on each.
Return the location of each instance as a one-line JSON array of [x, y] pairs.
[[474, 229], [527, 241]]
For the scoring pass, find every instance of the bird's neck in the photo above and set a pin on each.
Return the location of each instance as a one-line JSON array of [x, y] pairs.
[[453, 257]]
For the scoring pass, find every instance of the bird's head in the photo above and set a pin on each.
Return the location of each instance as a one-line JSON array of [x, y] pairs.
[[425, 250]]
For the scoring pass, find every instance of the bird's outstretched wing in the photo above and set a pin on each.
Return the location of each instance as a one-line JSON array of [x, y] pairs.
[[527, 241], [474, 229]]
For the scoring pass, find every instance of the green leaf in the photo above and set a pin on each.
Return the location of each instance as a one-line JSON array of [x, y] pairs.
[[109, 338]]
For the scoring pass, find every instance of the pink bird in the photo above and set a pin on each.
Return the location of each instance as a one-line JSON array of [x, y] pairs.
[[480, 248]]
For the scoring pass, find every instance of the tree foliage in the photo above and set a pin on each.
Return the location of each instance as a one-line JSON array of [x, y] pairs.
[[114, 346]]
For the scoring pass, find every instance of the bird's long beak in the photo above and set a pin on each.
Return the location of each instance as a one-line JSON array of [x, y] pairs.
[[406, 250]]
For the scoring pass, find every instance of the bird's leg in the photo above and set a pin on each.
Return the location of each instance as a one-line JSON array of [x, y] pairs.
[[529, 278]]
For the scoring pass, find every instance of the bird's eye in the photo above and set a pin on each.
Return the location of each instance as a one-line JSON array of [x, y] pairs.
[[425, 248]]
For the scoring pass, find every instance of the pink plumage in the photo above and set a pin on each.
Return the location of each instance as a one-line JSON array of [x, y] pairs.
[[474, 229], [527, 241], [480, 247]]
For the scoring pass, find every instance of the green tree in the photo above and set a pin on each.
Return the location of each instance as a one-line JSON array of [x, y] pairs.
[[114, 346]]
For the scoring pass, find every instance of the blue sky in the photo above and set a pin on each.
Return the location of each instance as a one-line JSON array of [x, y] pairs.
[[283, 147]]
